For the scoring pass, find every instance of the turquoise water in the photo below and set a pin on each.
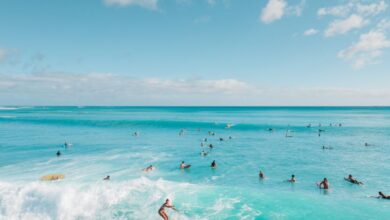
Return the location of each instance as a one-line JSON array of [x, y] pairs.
[[103, 144]]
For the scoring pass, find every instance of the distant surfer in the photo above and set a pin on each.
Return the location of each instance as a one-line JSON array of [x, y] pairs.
[[270, 129], [220, 139], [308, 126], [203, 153], [326, 148], [136, 134], [107, 177], [67, 145], [149, 168], [184, 166], [162, 212], [352, 180], [211, 146], [324, 184], [382, 196], [261, 175], [58, 153], [292, 180], [213, 164]]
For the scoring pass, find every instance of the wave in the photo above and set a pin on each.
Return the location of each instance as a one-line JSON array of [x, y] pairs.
[[133, 199], [176, 124]]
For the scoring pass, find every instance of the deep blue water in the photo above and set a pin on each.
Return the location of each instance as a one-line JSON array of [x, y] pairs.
[[103, 144]]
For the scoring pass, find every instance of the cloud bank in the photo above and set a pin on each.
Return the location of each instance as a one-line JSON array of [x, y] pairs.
[[111, 89]]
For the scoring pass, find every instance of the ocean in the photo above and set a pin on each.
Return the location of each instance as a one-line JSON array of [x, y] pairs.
[[103, 143]]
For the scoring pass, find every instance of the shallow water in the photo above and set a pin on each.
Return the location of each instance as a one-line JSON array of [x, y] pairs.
[[103, 144]]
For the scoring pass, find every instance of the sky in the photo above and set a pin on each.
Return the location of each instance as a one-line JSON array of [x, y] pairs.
[[195, 52]]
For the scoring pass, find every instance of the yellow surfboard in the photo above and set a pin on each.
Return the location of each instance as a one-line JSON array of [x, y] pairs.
[[52, 177]]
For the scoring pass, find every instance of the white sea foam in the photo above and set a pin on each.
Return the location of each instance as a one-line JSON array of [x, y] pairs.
[[135, 199]]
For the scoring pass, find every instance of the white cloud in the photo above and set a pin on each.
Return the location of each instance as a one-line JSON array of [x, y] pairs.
[[149, 4], [354, 6], [211, 2], [3, 54], [367, 49], [101, 89], [371, 9], [111, 89], [345, 25], [310, 32], [202, 19], [340, 10], [274, 10]]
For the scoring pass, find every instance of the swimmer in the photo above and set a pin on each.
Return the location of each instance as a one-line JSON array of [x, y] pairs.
[[340, 125], [149, 168], [292, 180], [203, 153], [382, 196], [107, 177], [162, 212], [211, 146], [205, 140], [58, 153], [324, 184], [213, 164], [230, 137], [352, 180], [201, 144], [220, 139], [261, 175]]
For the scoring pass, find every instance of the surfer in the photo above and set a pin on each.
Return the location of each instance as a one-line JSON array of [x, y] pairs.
[[261, 175], [211, 146], [184, 166], [270, 129], [66, 144], [58, 153], [352, 180], [220, 139], [203, 153], [149, 168], [213, 164], [107, 177], [162, 212], [292, 180], [382, 196], [308, 126], [324, 184], [326, 148]]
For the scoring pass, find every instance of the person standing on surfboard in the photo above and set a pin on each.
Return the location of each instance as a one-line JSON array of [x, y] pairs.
[[162, 212]]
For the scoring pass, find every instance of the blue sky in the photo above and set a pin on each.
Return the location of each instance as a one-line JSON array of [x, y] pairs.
[[195, 52]]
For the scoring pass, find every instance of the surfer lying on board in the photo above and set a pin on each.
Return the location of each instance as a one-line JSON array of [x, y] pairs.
[[382, 196], [324, 184], [162, 212], [352, 180], [149, 168], [184, 166], [107, 177]]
